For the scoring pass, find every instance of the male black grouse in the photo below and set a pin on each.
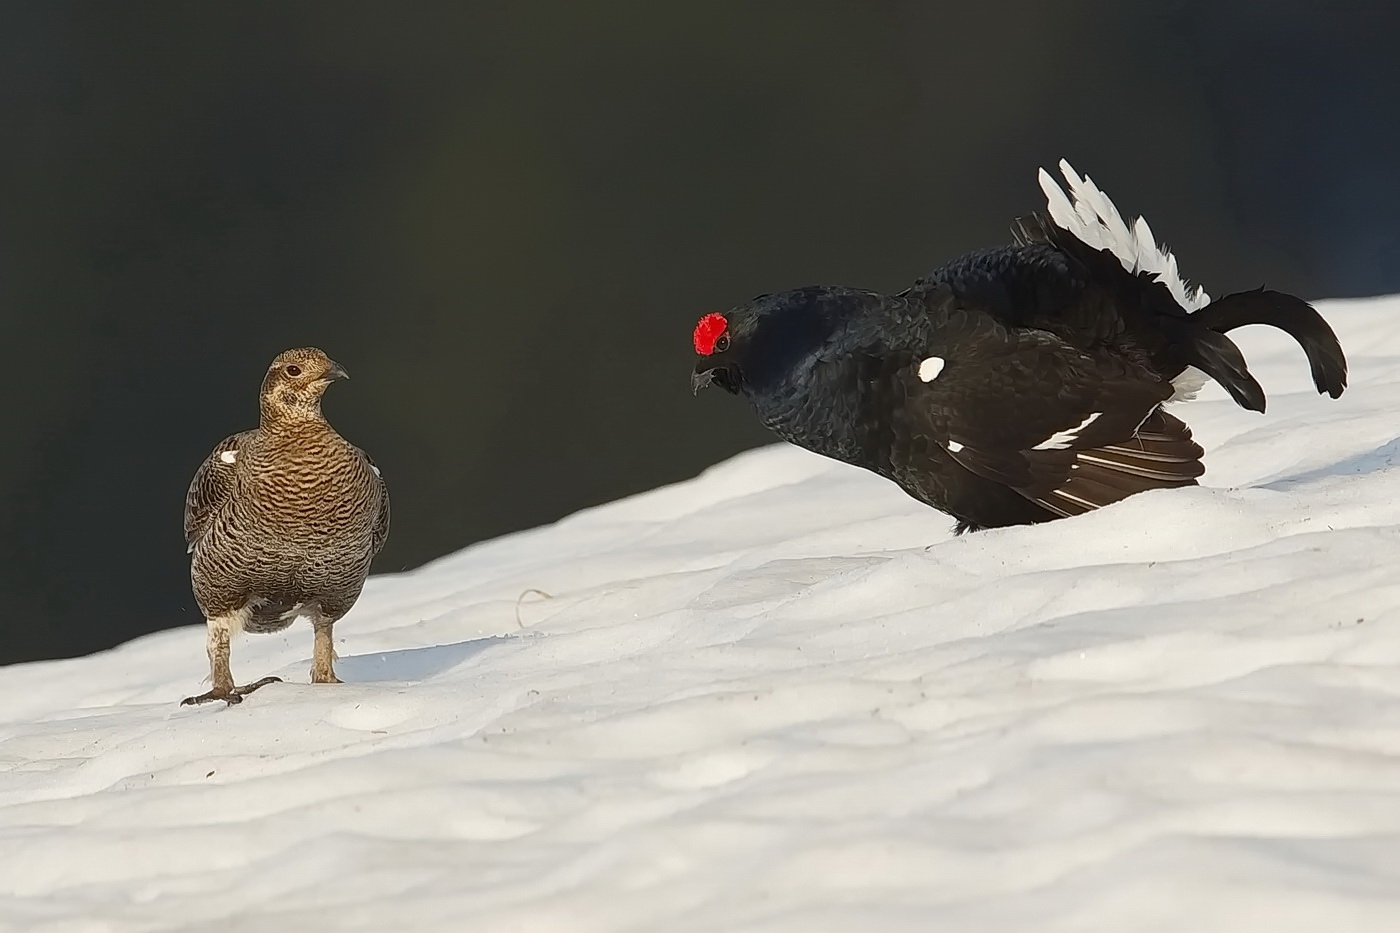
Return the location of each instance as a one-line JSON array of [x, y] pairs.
[[1012, 385]]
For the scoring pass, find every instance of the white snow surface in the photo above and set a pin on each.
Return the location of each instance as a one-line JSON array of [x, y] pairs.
[[783, 697]]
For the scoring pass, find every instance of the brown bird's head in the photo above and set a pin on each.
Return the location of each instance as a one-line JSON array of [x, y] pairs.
[[292, 389]]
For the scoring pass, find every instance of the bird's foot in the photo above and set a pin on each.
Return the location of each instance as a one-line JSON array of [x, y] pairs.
[[230, 695], [324, 677]]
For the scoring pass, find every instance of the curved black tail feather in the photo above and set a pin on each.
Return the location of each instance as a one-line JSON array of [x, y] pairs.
[[1293, 316]]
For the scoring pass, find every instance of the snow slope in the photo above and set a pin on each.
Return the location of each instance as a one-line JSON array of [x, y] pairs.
[[782, 697]]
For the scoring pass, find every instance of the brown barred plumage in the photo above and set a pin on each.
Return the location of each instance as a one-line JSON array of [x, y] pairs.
[[283, 522]]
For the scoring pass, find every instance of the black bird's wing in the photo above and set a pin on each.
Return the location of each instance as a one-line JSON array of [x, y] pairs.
[[212, 484], [1068, 429]]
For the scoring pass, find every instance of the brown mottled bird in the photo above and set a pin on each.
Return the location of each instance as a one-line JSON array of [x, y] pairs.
[[283, 522]]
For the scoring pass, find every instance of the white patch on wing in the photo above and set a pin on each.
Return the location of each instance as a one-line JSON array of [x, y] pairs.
[[1073, 498], [930, 368], [375, 469], [228, 456], [1186, 385], [954, 446], [1092, 218], [1062, 439]]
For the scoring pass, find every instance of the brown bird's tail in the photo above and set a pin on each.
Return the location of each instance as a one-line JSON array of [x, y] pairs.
[[1217, 356], [271, 615]]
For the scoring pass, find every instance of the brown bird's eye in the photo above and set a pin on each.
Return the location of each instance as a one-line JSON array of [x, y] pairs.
[[294, 370], [722, 343]]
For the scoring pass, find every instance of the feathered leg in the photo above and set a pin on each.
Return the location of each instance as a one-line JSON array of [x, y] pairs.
[[323, 654], [220, 634]]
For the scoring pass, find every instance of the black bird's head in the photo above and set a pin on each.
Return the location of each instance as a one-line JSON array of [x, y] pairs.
[[773, 340], [718, 367], [294, 383]]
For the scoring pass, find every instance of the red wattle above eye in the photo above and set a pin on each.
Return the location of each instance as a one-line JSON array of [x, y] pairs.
[[711, 327]]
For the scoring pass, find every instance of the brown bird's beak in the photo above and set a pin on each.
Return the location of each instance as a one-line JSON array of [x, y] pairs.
[[335, 372]]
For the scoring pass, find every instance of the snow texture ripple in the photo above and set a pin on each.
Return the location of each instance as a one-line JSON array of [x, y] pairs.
[[782, 697]]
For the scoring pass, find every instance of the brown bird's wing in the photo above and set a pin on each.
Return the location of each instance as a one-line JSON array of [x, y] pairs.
[[381, 525], [212, 483]]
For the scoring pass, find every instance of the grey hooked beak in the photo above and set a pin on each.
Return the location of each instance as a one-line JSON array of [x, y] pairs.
[[335, 372], [700, 379]]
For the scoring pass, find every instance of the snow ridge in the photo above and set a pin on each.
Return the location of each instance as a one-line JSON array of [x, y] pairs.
[[782, 698]]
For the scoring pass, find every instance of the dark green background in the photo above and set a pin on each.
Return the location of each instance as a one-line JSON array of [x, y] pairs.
[[504, 219]]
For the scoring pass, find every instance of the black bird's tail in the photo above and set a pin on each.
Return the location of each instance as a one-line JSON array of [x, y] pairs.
[[1084, 224], [1290, 314]]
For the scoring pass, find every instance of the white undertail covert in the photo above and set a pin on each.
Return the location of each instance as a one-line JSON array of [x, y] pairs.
[[1087, 212]]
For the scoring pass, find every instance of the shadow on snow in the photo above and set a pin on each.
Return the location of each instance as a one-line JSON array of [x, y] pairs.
[[413, 664]]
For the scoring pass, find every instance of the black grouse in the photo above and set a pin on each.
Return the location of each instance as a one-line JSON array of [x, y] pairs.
[[282, 522], [1012, 385]]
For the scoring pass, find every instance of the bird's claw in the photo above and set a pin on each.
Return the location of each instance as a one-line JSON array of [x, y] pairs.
[[232, 696]]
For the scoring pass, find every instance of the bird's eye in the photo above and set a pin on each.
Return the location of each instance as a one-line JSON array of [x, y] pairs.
[[722, 343], [294, 370]]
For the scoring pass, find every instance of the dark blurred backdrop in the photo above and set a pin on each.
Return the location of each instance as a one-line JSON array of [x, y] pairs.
[[504, 219]]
